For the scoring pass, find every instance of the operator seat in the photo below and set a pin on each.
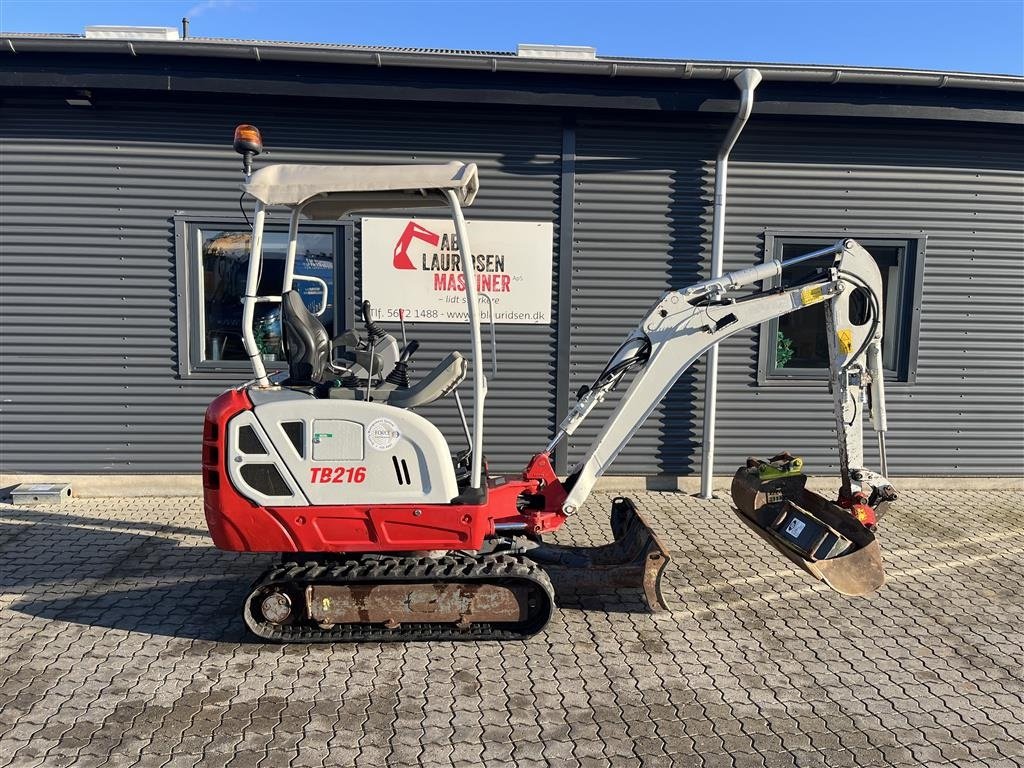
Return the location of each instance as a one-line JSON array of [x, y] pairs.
[[309, 351], [307, 347]]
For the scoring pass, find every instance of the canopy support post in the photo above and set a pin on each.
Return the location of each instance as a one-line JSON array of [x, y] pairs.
[[250, 298], [293, 245], [479, 380]]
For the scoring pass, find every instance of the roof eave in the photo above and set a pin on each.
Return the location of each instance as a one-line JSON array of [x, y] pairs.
[[600, 67]]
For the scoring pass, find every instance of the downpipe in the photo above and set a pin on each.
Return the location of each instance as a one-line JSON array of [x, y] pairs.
[[747, 81]]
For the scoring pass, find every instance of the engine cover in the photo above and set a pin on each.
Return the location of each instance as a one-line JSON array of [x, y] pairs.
[[293, 449]]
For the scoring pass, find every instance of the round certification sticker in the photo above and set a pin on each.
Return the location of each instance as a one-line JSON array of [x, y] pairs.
[[382, 434]]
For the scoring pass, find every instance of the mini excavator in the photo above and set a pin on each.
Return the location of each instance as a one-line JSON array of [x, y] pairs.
[[385, 534]]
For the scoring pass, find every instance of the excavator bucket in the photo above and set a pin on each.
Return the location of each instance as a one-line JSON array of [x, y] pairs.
[[634, 561], [818, 535]]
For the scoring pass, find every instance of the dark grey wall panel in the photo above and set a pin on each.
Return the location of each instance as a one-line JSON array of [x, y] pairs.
[[88, 357], [960, 186], [87, 286], [639, 230]]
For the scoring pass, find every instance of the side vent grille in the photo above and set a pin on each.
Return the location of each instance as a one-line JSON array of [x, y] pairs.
[[295, 430], [401, 471], [266, 479], [211, 479], [248, 442]]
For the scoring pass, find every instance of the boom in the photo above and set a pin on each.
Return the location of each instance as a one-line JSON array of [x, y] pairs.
[[683, 325]]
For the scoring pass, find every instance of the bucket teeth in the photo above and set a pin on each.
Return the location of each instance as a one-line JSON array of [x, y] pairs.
[[634, 560]]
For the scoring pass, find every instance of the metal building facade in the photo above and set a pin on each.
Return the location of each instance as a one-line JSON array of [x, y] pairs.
[[642, 227], [89, 304], [88, 293]]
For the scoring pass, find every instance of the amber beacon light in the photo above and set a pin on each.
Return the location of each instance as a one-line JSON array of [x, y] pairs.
[[248, 143]]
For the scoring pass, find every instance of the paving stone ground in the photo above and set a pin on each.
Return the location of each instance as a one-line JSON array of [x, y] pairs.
[[121, 644]]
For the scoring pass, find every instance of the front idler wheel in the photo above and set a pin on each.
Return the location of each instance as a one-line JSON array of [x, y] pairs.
[[276, 607]]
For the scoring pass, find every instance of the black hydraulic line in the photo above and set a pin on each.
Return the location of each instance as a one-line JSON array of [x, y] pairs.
[[241, 207], [622, 366], [875, 315]]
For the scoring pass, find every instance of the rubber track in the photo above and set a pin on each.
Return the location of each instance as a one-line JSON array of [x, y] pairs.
[[497, 568]]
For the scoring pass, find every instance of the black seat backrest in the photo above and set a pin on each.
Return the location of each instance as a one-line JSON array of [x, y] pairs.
[[306, 343]]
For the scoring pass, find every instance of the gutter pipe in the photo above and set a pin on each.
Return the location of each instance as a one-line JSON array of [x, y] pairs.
[[747, 82]]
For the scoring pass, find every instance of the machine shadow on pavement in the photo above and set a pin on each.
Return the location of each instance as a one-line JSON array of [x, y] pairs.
[[134, 576], [141, 576]]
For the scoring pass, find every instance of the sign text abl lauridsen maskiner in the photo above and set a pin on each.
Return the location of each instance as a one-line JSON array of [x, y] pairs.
[[414, 265]]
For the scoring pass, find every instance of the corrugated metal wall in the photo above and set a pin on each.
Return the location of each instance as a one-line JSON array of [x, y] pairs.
[[639, 229], [960, 185], [88, 326]]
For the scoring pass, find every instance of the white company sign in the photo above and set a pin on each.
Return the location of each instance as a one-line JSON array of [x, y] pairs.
[[413, 265]]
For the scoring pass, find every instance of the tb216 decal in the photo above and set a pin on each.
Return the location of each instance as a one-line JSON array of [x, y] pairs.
[[338, 474]]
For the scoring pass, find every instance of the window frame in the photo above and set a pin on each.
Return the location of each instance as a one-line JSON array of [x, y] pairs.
[[188, 331], [911, 277]]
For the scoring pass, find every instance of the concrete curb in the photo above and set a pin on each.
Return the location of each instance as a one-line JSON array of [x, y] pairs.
[[94, 486]]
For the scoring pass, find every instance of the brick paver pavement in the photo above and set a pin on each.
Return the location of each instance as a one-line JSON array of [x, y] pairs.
[[121, 644]]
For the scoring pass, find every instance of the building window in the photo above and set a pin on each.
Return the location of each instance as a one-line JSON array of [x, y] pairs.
[[795, 346], [213, 259]]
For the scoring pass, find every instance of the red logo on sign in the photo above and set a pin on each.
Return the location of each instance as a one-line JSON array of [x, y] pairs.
[[413, 231]]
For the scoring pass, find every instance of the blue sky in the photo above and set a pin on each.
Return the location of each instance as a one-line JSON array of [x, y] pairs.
[[982, 36]]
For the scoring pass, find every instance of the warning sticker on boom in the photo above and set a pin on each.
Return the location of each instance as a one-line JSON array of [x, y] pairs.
[[845, 336], [810, 295]]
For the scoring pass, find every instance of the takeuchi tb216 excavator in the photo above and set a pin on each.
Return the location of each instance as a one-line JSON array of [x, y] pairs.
[[385, 534]]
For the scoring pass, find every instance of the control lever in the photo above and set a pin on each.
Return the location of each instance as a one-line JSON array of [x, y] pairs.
[[399, 375], [409, 351], [373, 331], [379, 342], [373, 335]]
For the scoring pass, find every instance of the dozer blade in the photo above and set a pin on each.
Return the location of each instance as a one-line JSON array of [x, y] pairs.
[[634, 560], [818, 535]]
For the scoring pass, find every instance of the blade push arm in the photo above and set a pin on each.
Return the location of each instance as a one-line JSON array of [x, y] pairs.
[[682, 325]]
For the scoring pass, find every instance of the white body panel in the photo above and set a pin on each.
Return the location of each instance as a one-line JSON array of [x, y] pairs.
[[239, 460], [348, 452]]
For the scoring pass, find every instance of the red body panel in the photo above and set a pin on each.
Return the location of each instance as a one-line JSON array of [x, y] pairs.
[[240, 525]]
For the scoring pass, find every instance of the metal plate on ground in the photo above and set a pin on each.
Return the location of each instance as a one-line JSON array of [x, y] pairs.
[[41, 493]]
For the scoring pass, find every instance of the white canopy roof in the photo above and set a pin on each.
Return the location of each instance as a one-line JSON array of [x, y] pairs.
[[332, 191]]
